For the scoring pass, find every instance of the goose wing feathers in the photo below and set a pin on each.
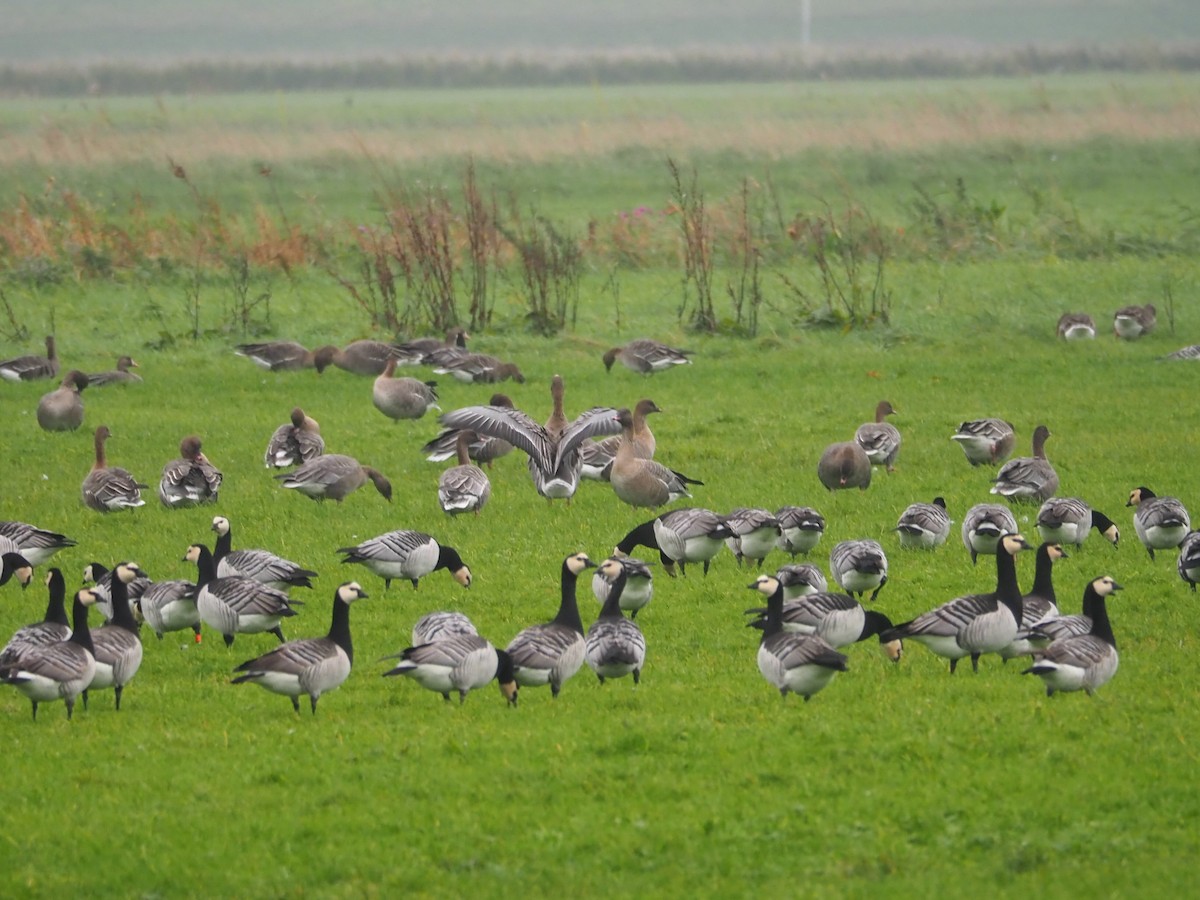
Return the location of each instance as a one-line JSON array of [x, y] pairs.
[[542, 646], [795, 650], [950, 618], [250, 598], [58, 662], [1082, 651]]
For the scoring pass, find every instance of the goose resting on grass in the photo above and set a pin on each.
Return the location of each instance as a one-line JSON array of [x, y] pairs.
[[646, 356], [295, 442], [189, 480], [33, 367], [107, 488]]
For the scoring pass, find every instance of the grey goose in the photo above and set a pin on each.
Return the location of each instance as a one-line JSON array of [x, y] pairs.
[[312, 666], [483, 449], [1028, 477], [1160, 522], [801, 579], [54, 627], [60, 671], [458, 664], [1068, 520], [924, 526], [100, 578], [1082, 662], [403, 397], [638, 589], [553, 652], [260, 565], [365, 357], [116, 645], [1040, 604], [295, 442], [1190, 352], [278, 356], [681, 536], [406, 554], [880, 438], [334, 476], [417, 351], [642, 482], [646, 356], [36, 544], [800, 528], [436, 626], [32, 367], [614, 646], [838, 619], [985, 441], [973, 624], [844, 465], [168, 606], [107, 488], [790, 661], [190, 479], [463, 487], [1188, 564], [62, 408], [982, 526], [119, 375], [754, 533], [1077, 326], [1131, 322], [480, 368], [859, 566], [236, 605]]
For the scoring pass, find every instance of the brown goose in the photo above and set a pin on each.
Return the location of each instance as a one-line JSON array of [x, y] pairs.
[[278, 356], [1076, 327], [983, 441], [189, 480], [31, 368], [333, 477], [880, 438], [598, 455], [482, 448], [62, 408], [359, 357], [415, 352], [464, 487], [107, 488], [480, 368], [1131, 322], [119, 375], [403, 398], [1028, 477], [643, 482], [295, 442], [646, 356], [845, 465]]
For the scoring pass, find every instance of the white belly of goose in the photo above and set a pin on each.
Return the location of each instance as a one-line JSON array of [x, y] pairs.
[[546, 655], [170, 606], [990, 632], [615, 647], [118, 655], [231, 605], [804, 680]]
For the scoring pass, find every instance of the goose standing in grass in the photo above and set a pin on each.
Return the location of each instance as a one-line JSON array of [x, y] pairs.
[[646, 356], [464, 487], [755, 533], [844, 465], [101, 578], [415, 352], [790, 661], [59, 671], [54, 627], [333, 476], [1188, 564], [259, 565], [437, 626], [119, 375], [1040, 603], [170, 606], [638, 589], [13, 564], [31, 368], [1161, 522], [859, 566], [403, 398], [1076, 327], [985, 441], [1084, 662], [278, 356], [116, 645], [880, 439], [294, 442], [480, 368], [800, 580], [800, 529], [312, 666], [189, 480], [36, 544], [643, 482], [838, 619], [553, 449], [614, 646], [107, 488], [1028, 477], [982, 526], [1131, 322], [407, 554], [974, 624], [1067, 520], [1190, 352], [598, 455], [680, 536], [62, 408], [364, 357], [483, 448], [457, 664], [924, 526], [236, 605], [553, 652]]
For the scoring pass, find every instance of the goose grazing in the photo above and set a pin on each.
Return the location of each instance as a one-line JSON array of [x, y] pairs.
[[844, 465], [923, 526], [62, 408], [119, 375], [974, 624], [1190, 352], [257, 565], [437, 626], [1188, 564], [312, 666], [800, 580], [646, 356], [1028, 477], [551, 653], [643, 482], [982, 526], [614, 646], [1067, 520], [483, 449], [464, 487], [278, 356], [116, 645], [638, 589], [800, 529], [1131, 322], [107, 488], [170, 606], [14, 564], [755, 533], [414, 352], [407, 554], [334, 477], [59, 671], [553, 449], [458, 663], [790, 661], [36, 544], [985, 441], [880, 439], [1160, 522], [1076, 327], [838, 619], [358, 358], [682, 536], [403, 398], [294, 442], [480, 368], [189, 480], [54, 627], [31, 368], [1040, 604], [236, 605], [1083, 662], [859, 566]]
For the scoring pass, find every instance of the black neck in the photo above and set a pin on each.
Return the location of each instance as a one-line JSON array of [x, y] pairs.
[[1007, 589], [643, 536], [874, 623], [339, 628], [774, 621], [79, 627], [1043, 575], [118, 591], [56, 610], [206, 569], [1094, 606], [448, 558], [223, 545], [568, 609], [612, 603]]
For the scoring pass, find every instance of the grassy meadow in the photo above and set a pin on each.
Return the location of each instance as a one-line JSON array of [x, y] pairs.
[[897, 778]]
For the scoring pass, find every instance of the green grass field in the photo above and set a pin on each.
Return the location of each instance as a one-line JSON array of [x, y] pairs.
[[702, 780]]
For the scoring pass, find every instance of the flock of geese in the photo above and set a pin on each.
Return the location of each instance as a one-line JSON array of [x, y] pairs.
[[804, 625]]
